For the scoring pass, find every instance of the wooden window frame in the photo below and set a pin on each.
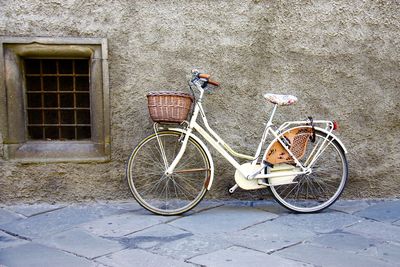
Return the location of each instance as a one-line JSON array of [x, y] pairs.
[[13, 116]]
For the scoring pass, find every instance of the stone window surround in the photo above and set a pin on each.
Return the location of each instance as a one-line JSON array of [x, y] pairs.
[[13, 130]]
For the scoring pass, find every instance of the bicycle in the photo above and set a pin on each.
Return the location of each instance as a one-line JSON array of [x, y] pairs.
[[304, 166]]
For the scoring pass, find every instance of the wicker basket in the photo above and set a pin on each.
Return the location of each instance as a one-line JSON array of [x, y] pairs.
[[169, 107]]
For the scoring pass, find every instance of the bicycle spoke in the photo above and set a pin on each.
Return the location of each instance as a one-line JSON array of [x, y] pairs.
[[175, 189], [184, 190], [186, 182], [166, 193], [155, 186]]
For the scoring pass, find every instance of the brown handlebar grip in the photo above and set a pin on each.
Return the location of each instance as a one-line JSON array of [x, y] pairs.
[[213, 83], [204, 76], [207, 76]]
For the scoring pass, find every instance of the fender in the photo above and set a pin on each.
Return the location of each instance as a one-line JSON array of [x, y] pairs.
[[307, 126], [201, 143]]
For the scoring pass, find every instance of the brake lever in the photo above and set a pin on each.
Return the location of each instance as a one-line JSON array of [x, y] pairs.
[[205, 83]]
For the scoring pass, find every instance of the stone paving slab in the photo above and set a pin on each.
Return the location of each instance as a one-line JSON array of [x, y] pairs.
[[388, 211], [329, 257], [29, 210], [323, 222], [238, 256], [8, 216], [205, 205], [58, 220], [350, 206], [38, 255], [138, 257], [123, 224], [376, 230], [388, 252], [153, 237], [269, 236], [270, 206], [122, 205], [222, 219], [7, 240], [194, 245], [344, 241], [81, 243]]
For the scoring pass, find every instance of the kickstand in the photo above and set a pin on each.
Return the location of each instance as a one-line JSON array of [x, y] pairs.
[[233, 188]]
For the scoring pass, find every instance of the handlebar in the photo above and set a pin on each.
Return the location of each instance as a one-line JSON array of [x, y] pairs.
[[205, 77]]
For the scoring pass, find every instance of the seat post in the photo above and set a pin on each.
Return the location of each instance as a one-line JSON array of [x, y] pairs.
[[269, 123]]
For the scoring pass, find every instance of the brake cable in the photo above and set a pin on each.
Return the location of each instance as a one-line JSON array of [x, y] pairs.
[[194, 98], [313, 129]]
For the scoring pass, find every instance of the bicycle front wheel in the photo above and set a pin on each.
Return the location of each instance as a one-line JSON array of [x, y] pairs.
[[322, 187], [168, 194]]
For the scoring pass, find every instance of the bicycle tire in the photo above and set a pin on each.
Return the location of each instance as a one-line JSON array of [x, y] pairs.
[[169, 195], [310, 190]]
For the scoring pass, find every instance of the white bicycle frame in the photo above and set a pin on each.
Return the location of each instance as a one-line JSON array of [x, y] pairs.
[[228, 153]]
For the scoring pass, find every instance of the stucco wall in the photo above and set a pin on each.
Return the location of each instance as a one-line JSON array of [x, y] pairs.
[[341, 58]]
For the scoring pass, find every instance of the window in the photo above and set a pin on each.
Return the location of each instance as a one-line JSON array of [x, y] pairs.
[[54, 95], [58, 99]]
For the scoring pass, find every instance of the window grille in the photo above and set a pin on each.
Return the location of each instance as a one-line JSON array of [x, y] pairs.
[[58, 99]]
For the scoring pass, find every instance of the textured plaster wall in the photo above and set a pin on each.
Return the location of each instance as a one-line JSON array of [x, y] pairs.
[[341, 58]]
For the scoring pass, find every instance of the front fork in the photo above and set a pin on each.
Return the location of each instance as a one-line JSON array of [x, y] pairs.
[[161, 146]]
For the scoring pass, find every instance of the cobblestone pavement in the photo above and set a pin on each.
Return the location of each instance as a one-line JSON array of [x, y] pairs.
[[230, 233]]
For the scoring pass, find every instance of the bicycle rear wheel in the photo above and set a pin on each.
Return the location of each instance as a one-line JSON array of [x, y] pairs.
[[323, 186], [168, 194]]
